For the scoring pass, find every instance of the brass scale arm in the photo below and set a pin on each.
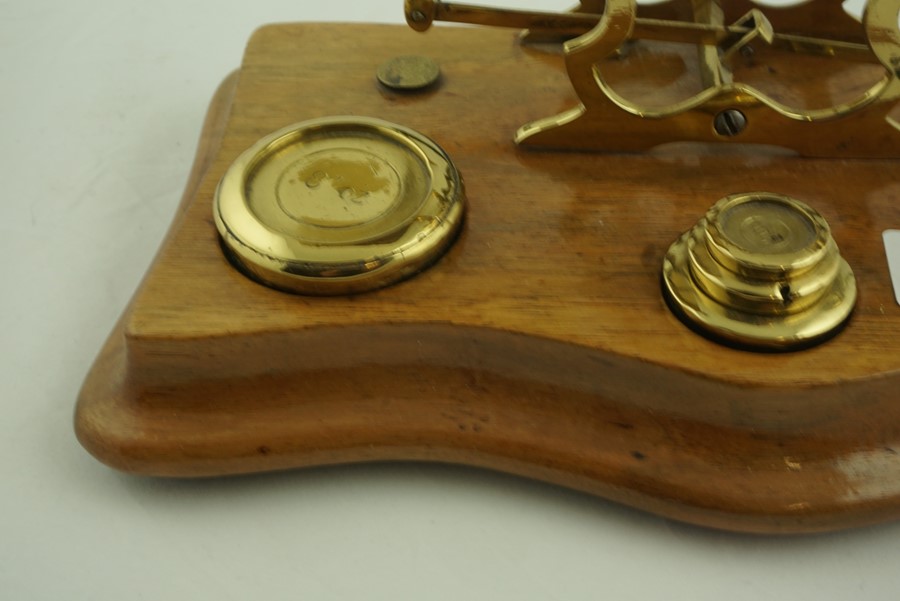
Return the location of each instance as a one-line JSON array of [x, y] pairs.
[[420, 14], [725, 110]]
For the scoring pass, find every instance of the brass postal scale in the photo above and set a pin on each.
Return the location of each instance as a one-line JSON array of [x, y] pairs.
[[636, 250]]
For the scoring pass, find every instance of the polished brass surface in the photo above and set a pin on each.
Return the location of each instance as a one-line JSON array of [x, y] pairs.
[[409, 73], [421, 15], [607, 121], [339, 205], [761, 270]]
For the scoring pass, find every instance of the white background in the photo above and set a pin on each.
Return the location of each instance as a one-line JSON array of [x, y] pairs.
[[101, 104]]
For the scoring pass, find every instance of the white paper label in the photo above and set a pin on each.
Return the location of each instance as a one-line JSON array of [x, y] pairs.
[[892, 248]]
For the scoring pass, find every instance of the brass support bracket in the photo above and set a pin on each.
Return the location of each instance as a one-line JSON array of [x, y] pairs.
[[725, 111]]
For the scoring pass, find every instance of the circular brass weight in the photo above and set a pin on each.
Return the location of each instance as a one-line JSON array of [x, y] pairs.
[[409, 73], [339, 205], [760, 270]]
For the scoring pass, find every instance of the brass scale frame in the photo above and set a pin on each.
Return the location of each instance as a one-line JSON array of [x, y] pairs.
[[605, 27]]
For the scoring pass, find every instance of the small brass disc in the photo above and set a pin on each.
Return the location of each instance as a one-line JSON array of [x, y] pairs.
[[767, 235], [760, 270], [339, 205], [409, 73]]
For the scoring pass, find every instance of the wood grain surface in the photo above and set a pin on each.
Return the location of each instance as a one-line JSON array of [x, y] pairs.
[[540, 344]]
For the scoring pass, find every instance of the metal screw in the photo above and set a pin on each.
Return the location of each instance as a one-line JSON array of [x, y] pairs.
[[730, 123]]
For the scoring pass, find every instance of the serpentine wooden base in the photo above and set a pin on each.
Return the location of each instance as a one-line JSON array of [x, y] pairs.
[[539, 345]]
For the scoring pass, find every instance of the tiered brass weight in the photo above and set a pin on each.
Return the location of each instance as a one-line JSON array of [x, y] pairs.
[[760, 270]]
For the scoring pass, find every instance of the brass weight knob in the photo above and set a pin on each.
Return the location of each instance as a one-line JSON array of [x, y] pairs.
[[760, 270]]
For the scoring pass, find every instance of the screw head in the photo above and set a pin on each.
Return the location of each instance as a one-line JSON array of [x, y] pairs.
[[729, 123]]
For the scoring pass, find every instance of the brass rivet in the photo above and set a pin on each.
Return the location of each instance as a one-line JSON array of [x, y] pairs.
[[408, 73]]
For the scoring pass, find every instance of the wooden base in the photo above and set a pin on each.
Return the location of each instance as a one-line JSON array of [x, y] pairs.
[[539, 345]]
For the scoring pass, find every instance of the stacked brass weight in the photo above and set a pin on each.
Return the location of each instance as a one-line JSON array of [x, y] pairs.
[[760, 270]]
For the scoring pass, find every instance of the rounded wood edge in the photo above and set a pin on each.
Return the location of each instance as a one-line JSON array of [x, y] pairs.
[[90, 428], [211, 135], [701, 474]]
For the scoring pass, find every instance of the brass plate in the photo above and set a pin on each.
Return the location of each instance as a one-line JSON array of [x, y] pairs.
[[339, 205]]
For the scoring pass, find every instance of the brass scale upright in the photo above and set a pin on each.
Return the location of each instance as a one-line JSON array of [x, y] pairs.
[[672, 293]]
